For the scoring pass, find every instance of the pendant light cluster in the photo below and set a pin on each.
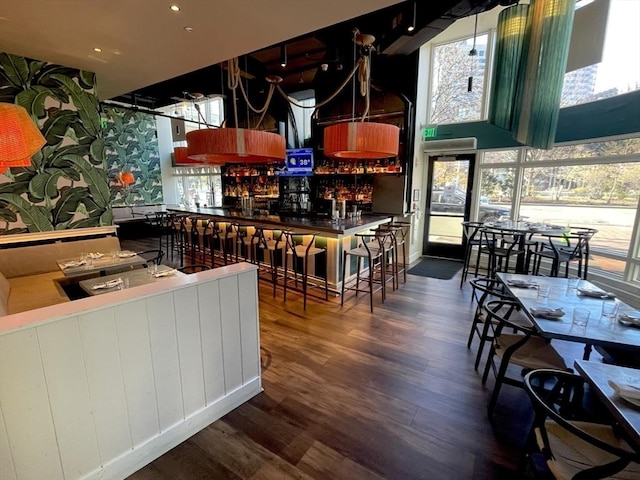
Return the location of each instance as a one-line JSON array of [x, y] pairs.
[[531, 59], [20, 137]]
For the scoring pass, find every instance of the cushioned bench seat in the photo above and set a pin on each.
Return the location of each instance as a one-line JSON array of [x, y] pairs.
[[33, 291]]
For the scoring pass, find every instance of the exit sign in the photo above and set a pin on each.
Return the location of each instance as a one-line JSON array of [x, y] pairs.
[[429, 132]]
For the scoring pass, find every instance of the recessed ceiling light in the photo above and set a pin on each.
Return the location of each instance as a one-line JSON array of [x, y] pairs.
[[97, 49], [175, 8], [188, 29]]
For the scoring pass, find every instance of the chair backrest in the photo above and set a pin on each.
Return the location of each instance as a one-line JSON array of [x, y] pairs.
[[561, 397], [485, 288], [500, 238], [500, 312], [154, 256], [194, 268], [470, 230]]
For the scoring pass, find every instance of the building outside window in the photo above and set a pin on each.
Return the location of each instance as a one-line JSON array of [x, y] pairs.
[[202, 185]]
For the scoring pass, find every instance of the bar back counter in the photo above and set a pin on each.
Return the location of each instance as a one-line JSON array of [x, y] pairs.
[[99, 387]]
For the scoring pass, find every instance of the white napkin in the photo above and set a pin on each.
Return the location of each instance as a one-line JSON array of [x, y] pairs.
[[629, 319], [110, 284], [551, 313], [629, 392], [73, 263], [595, 293], [126, 254], [164, 273], [522, 284], [96, 255]]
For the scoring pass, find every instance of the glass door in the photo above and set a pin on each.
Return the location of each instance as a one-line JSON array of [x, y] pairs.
[[448, 204]]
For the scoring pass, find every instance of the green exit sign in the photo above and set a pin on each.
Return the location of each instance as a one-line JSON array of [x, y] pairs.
[[429, 132]]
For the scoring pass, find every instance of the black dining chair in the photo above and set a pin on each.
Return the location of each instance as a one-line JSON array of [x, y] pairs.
[[565, 248]]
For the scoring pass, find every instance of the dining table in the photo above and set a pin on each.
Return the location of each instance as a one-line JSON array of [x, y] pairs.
[[562, 298], [523, 231], [625, 412], [128, 279], [92, 263]]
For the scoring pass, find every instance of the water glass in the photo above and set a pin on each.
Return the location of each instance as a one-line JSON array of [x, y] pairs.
[[610, 308], [543, 291], [581, 316], [573, 282], [152, 268]]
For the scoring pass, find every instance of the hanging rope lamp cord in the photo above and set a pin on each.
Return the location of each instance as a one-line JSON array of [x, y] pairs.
[[234, 81]]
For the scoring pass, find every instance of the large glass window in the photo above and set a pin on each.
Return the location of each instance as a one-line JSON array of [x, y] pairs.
[[198, 185], [619, 71], [451, 100]]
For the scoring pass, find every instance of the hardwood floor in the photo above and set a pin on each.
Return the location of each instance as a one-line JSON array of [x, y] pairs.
[[354, 395]]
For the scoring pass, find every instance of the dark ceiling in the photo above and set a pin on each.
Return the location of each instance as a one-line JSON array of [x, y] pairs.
[[321, 54]]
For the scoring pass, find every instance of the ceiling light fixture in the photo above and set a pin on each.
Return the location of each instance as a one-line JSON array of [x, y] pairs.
[[283, 56], [412, 25], [238, 145], [188, 29], [20, 137], [175, 8], [360, 139], [97, 49]]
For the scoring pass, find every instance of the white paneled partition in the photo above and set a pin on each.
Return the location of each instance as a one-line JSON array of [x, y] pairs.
[[99, 387]]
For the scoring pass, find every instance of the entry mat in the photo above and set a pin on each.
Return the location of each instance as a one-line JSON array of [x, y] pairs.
[[436, 268]]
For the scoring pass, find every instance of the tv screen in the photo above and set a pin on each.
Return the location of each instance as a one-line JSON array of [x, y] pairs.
[[299, 161]]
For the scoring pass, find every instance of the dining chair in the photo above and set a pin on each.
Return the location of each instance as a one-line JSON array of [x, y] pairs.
[[471, 238], [153, 255], [483, 290], [500, 246], [565, 248], [523, 347], [571, 441], [195, 268]]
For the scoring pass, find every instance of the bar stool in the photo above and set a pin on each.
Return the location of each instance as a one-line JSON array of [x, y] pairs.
[[271, 243], [500, 246], [228, 236], [214, 241], [246, 238], [472, 238], [390, 253], [401, 236], [301, 246], [371, 247]]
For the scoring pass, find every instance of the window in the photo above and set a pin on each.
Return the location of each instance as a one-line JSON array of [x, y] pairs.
[[595, 184], [201, 185], [212, 110], [451, 102], [300, 122], [619, 71]]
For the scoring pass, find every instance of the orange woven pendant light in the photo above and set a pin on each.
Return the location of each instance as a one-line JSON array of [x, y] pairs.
[[20, 137], [181, 157], [364, 140], [235, 145]]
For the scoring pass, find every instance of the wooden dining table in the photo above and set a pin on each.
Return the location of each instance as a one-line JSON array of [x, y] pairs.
[[626, 414], [599, 331]]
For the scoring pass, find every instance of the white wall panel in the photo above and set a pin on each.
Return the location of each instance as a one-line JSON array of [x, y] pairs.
[[66, 378], [211, 330], [166, 365], [189, 349], [25, 406], [230, 313], [137, 371], [99, 392], [106, 385], [248, 328]]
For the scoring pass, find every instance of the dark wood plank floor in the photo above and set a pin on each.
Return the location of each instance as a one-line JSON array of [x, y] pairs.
[[354, 395]]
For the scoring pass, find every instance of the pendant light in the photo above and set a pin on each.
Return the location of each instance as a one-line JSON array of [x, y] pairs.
[[361, 139], [20, 137]]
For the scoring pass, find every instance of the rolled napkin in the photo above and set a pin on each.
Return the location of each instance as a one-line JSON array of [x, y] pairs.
[[73, 263], [550, 313], [631, 393], [629, 319], [587, 292], [110, 284], [165, 273], [126, 254], [96, 255], [522, 284]]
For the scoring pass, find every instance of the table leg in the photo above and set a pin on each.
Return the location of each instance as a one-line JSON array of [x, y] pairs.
[[587, 352]]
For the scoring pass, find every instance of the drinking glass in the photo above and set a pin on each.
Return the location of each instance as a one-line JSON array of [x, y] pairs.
[[543, 291], [572, 283], [610, 308], [581, 316]]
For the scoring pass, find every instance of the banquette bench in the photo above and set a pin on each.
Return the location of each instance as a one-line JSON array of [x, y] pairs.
[[29, 273]]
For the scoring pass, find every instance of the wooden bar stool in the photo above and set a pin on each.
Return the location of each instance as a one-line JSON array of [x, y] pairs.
[[300, 247], [272, 243], [371, 247]]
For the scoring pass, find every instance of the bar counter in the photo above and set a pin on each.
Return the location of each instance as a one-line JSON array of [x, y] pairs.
[[336, 236], [322, 225]]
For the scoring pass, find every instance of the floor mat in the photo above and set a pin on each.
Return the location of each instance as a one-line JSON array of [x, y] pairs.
[[436, 268]]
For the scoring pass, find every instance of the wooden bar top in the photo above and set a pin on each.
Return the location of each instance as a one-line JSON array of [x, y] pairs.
[[323, 225]]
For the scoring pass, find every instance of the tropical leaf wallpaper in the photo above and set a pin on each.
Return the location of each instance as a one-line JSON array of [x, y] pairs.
[[73, 178], [130, 144]]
